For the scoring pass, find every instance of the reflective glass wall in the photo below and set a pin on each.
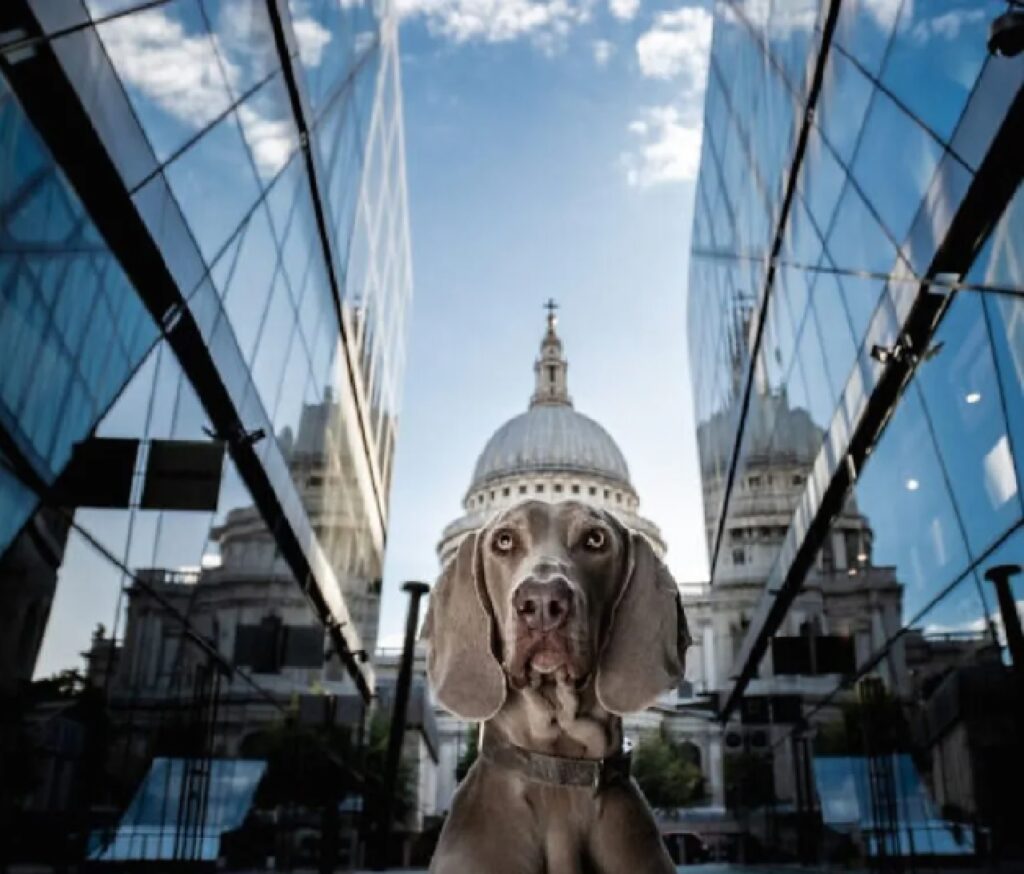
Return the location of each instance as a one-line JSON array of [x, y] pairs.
[[856, 302], [204, 281]]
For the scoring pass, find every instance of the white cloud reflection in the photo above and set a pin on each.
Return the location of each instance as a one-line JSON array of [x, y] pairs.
[[194, 77]]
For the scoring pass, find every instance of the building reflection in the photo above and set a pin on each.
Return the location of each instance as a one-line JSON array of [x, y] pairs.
[[854, 331], [204, 283]]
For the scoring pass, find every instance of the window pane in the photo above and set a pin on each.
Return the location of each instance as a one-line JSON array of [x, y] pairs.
[[895, 164], [936, 54], [214, 184], [167, 62], [962, 396], [904, 495]]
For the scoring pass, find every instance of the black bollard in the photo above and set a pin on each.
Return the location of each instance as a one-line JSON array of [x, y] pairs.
[[999, 576], [396, 732]]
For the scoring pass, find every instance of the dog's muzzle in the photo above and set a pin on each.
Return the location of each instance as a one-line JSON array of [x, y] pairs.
[[543, 605]]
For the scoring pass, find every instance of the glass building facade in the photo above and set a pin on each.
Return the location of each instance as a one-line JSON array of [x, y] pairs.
[[205, 279], [856, 333]]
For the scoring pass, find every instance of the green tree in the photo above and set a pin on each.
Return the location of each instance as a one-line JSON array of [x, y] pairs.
[[668, 773]]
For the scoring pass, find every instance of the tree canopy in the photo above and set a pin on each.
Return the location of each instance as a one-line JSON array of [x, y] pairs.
[[668, 773]]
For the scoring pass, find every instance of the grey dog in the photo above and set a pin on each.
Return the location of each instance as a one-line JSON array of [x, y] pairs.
[[549, 625]]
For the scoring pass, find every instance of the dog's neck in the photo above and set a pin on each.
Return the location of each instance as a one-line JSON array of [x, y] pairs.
[[553, 716]]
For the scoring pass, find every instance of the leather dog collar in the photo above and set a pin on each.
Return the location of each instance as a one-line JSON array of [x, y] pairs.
[[557, 770]]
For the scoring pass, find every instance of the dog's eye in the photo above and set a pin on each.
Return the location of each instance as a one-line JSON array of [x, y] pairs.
[[595, 540], [504, 541]]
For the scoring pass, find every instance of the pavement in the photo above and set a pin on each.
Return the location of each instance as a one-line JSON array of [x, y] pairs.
[[712, 868]]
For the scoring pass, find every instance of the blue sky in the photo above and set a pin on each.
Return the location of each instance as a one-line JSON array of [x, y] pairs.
[[551, 150]]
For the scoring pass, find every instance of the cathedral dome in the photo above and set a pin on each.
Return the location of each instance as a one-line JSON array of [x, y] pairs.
[[549, 453], [550, 437]]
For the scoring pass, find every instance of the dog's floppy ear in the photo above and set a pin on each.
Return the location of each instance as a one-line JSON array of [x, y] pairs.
[[644, 650], [458, 629]]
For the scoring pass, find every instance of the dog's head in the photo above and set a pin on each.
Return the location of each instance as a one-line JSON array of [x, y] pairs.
[[554, 588]]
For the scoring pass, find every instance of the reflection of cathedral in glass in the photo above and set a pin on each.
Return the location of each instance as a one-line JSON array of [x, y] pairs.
[[204, 282], [854, 319]]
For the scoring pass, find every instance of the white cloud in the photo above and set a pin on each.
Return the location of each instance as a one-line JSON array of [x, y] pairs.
[[677, 44], [178, 71], [364, 39], [624, 10], [948, 25], [885, 12], [669, 151], [312, 38], [194, 78], [546, 22], [271, 140], [603, 51]]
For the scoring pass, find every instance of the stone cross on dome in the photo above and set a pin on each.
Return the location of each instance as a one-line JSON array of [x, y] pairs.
[[551, 368]]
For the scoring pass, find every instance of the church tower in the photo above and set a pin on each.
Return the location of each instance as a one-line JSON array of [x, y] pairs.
[[551, 368]]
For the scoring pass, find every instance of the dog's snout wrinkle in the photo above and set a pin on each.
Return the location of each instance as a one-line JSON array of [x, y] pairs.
[[543, 605]]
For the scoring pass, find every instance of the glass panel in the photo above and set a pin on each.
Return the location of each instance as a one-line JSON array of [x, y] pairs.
[[247, 287], [865, 27], [168, 63], [272, 349], [895, 164], [962, 396], [834, 329], [1000, 265], [936, 54], [856, 241], [215, 185], [844, 100], [268, 126], [821, 180], [904, 493]]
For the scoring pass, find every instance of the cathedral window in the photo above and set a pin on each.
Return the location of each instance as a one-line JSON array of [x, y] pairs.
[[593, 491], [558, 488], [492, 494], [797, 479], [540, 488], [739, 555], [505, 492], [522, 490], [575, 489], [607, 493], [618, 497]]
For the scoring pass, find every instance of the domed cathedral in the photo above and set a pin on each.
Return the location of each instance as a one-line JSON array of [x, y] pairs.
[[549, 453]]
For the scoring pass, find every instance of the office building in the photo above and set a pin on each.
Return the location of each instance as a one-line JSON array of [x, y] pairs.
[[857, 267], [204, 286]]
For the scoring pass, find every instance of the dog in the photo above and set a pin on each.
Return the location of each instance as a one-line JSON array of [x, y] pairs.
[[547, 626]]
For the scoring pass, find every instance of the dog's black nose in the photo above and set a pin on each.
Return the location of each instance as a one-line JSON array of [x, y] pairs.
[[543, 605]]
